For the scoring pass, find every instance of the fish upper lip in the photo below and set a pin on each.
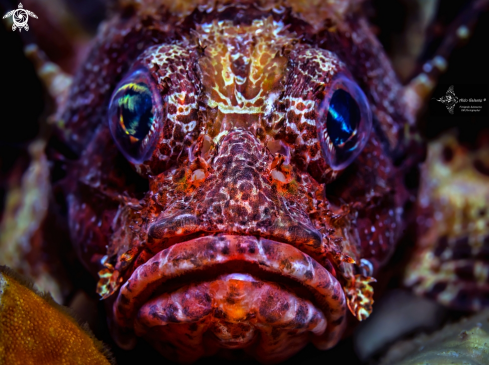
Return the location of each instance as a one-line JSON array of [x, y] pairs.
[[166, 231], [265, 255]]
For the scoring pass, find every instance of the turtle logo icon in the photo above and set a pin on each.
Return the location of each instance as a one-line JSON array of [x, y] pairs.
[[450, 99], [20, 17]]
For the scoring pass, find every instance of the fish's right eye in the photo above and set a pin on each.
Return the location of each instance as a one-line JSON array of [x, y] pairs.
[[134, 115]]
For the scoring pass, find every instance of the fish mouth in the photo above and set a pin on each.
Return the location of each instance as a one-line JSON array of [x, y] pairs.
[[232, 292]]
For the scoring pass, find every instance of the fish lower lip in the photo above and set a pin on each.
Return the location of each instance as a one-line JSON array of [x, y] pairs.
[[231, 312], [215, 253]]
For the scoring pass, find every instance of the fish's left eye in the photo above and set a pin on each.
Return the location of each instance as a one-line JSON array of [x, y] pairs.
[[344, 122], [134, 113]]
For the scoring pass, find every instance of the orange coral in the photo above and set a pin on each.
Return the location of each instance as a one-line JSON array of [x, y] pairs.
[[36, 330]]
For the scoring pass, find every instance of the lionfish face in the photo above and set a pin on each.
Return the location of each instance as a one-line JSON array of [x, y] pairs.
[[240, 188]]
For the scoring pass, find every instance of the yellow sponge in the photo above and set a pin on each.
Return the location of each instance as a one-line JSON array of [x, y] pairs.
[[36, 330]]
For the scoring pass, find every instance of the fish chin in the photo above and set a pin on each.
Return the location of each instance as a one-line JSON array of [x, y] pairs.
[[214, 294]]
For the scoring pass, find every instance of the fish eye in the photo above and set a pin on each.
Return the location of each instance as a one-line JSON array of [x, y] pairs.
[[344, 122], [134, 115]]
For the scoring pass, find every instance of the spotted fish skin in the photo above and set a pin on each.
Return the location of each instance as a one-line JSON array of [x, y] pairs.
[[235, 153]]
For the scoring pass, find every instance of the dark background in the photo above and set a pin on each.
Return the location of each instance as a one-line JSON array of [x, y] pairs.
[[24, 105]]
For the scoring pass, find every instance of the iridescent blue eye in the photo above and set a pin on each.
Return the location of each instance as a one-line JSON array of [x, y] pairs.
[[343, 118], [134, 113], [344, 123]]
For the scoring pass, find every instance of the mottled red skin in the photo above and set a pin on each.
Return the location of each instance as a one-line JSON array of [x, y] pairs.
[[120, 219], [243, 254]]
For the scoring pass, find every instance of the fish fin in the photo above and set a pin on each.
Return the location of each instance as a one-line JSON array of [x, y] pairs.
[[57, 81], [421, 86]]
